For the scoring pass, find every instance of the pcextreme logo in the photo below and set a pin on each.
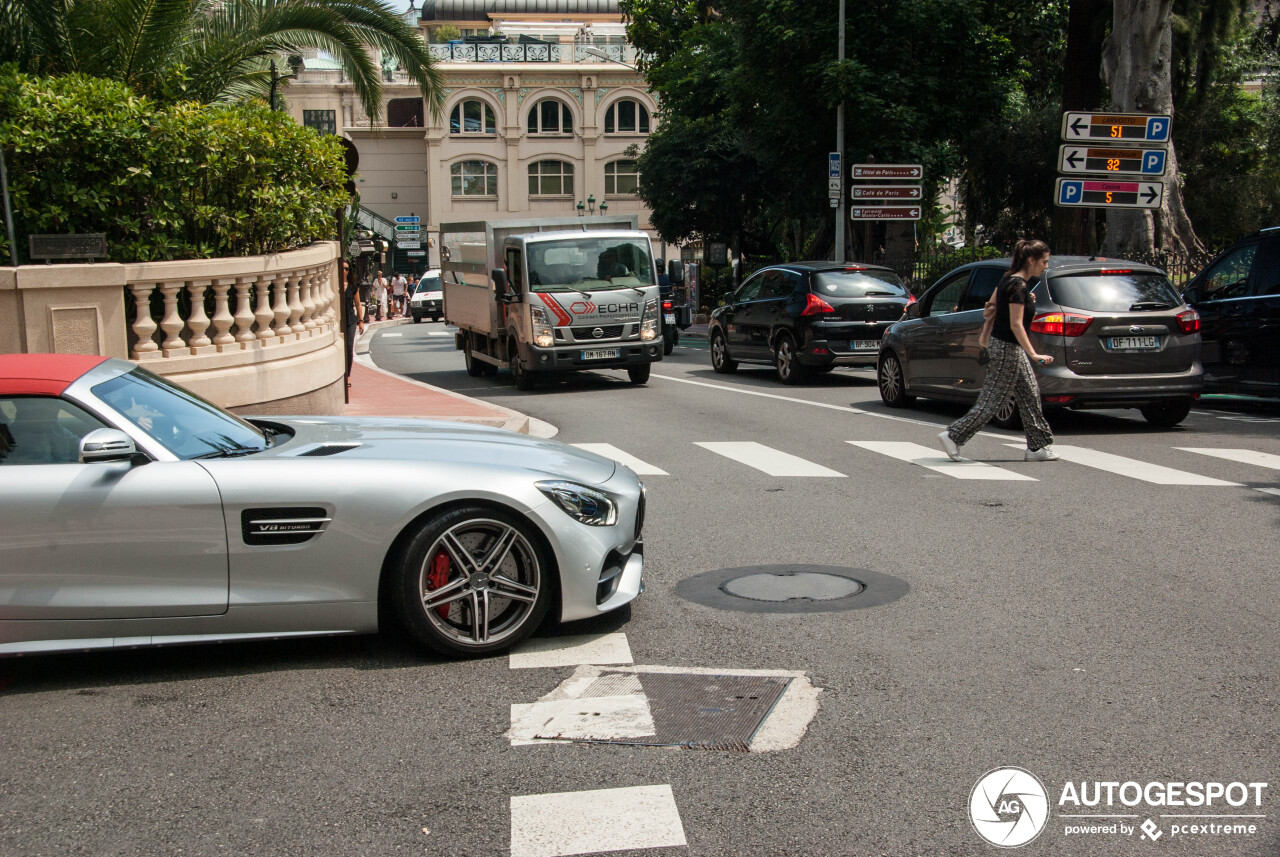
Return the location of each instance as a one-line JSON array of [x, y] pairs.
[[1009, 807], [582, 307]]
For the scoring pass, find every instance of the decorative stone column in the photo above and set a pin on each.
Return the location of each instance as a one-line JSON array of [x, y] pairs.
[[309, 300], [244, 312], [198, 323], [281, 307], [222, 317], [172, 324], [144, 326], [263, 315], [295, 303]]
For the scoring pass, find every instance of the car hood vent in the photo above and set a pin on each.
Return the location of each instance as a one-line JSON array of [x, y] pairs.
[[328, 449], [282, 526]]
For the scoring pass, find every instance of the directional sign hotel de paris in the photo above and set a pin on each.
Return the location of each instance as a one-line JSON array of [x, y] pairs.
[[1122, 157], [886, 201]]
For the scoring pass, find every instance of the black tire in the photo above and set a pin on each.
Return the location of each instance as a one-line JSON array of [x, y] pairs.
[[476, 557], [475, 368], [786, 361], [668, 344], [435, 318], [1166, 414], [892, 383], [526, 379], [417, 319], [488, 370], [639, 374], [1007, 417], [720, 359]]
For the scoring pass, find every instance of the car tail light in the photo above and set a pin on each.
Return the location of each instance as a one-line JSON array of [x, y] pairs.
[[1059, 400], [820, 350], [1061, 324], [1189, 321], [666, 305], [1116, 271], [910, 299], [814, 305], [855, 269]]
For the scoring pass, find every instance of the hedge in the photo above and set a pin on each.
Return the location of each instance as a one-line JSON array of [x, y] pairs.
[[174, 182]]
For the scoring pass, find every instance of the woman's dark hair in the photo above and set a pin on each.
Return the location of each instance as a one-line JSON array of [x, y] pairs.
[[1024, 251]]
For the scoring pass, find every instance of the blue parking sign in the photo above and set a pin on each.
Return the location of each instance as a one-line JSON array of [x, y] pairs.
[[1070, 192], [1157, 128], [833, 166], [1153, 161]]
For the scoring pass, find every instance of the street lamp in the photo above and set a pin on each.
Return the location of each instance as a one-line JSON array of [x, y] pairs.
[[591, 206], [295, 63], [601, 55]]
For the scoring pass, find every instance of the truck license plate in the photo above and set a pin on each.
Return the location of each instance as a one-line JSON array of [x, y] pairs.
[[865, 344], [600, 354], [1134, 343], [669, 318]]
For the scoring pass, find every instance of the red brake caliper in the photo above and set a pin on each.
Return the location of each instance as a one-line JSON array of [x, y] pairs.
[[438, 576]]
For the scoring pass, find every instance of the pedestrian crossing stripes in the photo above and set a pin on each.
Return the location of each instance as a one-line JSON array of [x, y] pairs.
[[1131, 467], [608, 450], [635, 817], [1244, 456], [776, 462], [768, 460], [932, 459]]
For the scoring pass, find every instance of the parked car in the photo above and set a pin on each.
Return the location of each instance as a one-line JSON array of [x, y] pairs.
[[807, 317], [134, 513], [1119, 332], [427, 300], [1238, 298]]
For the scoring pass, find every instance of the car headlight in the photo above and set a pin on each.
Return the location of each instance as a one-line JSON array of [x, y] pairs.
[[542, 335], [649, 321], [581, 503]]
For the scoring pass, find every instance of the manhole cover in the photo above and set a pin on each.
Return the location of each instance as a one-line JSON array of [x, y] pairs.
[[791, 586]]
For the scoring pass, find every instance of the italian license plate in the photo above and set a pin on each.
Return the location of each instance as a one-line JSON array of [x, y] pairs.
[[1134, 343], [600, 354], [865, 345], [669, 318]]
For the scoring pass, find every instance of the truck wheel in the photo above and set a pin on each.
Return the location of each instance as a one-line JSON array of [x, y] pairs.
[[525, 379], [639, 374], [475, 368]]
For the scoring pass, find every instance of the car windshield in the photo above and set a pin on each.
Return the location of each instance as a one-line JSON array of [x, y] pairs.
[[1121, 291], [589, 264], [428, 284], [858, 284], [179, 420]]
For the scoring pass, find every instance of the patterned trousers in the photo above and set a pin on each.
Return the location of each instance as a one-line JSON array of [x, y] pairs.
[[1009, 372]]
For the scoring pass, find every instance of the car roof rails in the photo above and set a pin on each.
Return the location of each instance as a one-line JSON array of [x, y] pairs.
[[1266, 229]]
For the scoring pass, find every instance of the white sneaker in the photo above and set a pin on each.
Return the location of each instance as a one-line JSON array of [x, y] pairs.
[[1042, 454], [949, 446]]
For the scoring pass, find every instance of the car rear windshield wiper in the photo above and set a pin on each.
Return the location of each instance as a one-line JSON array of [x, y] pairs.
[[1148, 306], [880, 294]]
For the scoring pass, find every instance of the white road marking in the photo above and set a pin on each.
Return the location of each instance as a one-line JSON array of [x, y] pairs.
[[439, 333], [1274, 492], [767, 459], [643, 468], [847, 410], [936, 460], [1244, 456], [1131, 467], [391, 335], [553, 825], [573, 651]]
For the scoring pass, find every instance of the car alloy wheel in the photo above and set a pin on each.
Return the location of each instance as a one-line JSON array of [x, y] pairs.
[[473, 581], [893, 389], [786, 361], [720, 360], [1007, 416]]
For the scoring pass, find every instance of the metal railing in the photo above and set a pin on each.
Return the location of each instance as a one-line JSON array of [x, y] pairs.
[[498, 52]]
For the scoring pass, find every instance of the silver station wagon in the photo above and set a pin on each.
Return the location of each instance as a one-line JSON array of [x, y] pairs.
[[1120, 334]]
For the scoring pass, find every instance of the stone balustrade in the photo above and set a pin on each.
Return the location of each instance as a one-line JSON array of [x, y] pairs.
[[258, 333]]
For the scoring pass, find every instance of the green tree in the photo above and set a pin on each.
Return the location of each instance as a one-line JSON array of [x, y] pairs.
[[211, 50]]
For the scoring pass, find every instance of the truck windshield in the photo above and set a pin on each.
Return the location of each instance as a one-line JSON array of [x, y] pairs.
[[589, 264]]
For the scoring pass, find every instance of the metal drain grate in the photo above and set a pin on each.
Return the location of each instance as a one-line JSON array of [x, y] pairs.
[[697, 712]]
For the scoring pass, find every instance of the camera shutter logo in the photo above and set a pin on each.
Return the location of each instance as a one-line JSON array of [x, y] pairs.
[[1009, 807]]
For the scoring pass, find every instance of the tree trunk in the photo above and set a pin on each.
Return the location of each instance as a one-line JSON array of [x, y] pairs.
[[1074, 229], [1136, 63]]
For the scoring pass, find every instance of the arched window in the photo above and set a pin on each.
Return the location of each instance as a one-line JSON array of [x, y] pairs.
[[472, 116], [474, 178], [627, 116], [550, 178], [621, 177], [550, 116]]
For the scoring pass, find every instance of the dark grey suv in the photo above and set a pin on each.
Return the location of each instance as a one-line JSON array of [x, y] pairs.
[[1119, 333]]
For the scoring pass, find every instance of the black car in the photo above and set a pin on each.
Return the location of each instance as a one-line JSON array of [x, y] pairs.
[[807, 317], [1238, 298]]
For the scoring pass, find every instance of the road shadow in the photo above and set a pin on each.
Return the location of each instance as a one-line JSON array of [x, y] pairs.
[[762, 377], [502, 386]]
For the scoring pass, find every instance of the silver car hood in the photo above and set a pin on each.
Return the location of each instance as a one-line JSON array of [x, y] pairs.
[[410, 440]]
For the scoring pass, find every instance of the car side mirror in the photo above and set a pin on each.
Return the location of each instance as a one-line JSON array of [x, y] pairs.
[[1191, 295], [500, 284], [108, 444], [675, 272], [913, 309]]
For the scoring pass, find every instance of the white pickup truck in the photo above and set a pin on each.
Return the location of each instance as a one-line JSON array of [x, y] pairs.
[[552, 295]]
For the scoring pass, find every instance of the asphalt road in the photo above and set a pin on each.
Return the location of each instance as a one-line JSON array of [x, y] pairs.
[[1084, 624]]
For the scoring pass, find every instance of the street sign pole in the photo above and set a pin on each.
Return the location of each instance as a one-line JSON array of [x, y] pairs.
[[840, 209]]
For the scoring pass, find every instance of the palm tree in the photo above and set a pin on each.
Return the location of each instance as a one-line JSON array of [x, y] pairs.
[[212, 50]]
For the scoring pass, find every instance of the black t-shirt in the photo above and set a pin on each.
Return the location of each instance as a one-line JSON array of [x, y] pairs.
[[1012, 290]]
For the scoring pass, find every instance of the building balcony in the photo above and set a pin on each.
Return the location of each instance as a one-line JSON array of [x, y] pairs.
[[531, 53]]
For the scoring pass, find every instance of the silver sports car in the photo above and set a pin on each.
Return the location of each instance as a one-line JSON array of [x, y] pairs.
[[134, 513]]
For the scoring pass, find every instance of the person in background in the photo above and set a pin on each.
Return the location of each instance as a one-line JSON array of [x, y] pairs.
[[354, 312], [1009, 371], [380, 287], [398, 288]]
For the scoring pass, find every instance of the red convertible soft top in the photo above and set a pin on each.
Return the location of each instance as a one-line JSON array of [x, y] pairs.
[[42, 374]]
